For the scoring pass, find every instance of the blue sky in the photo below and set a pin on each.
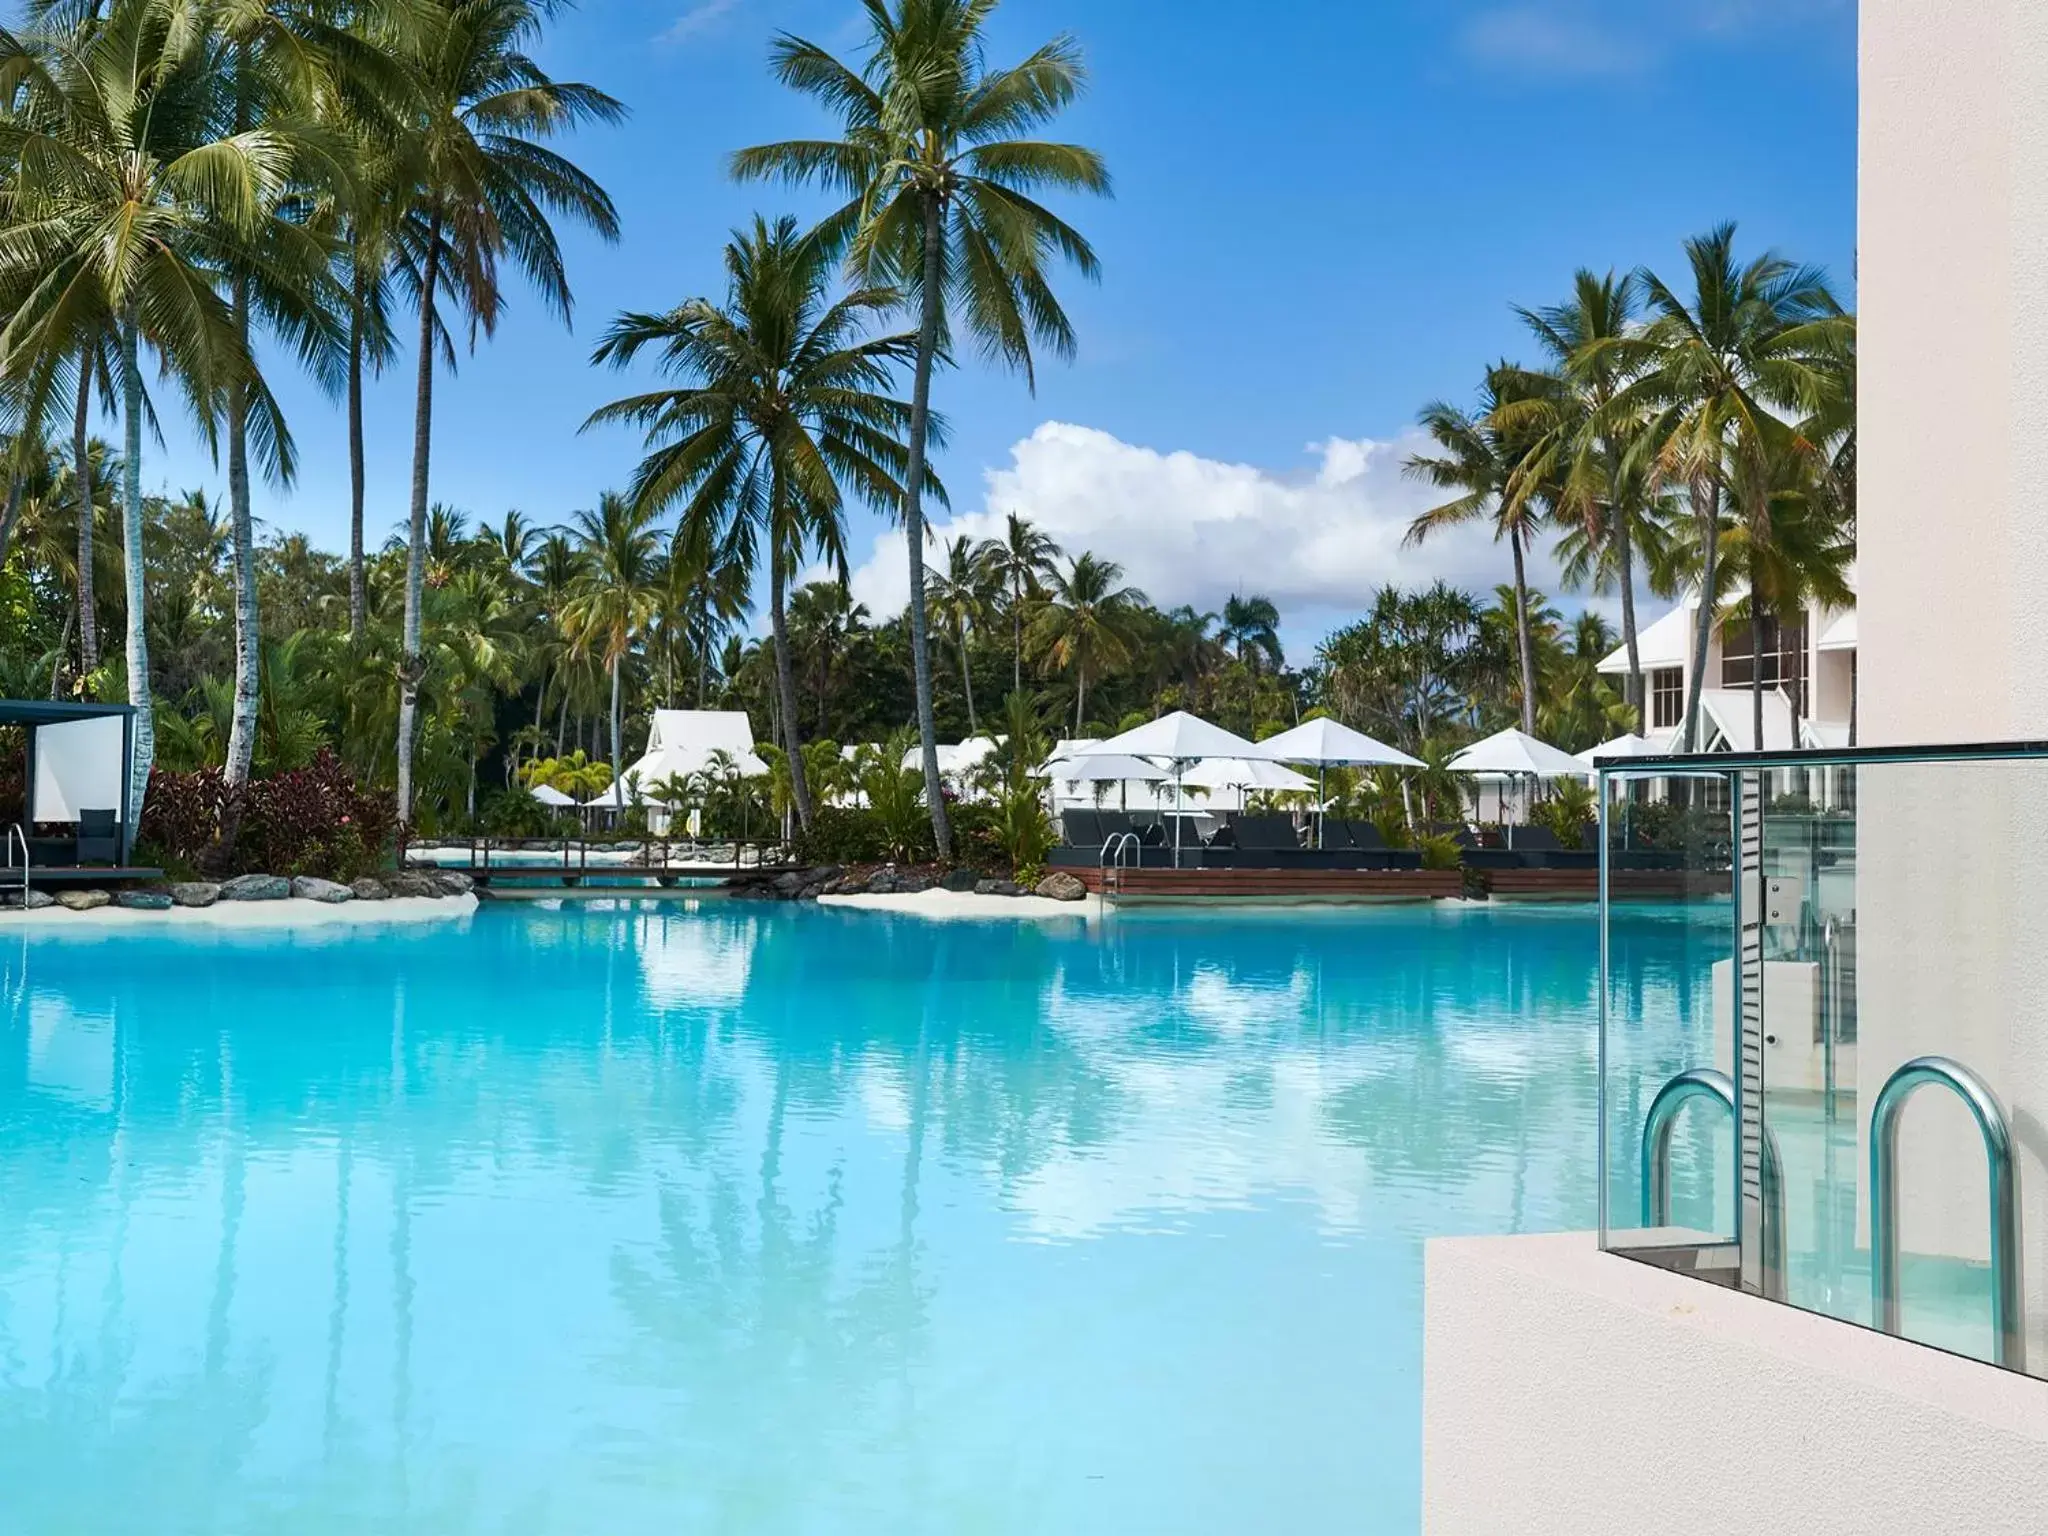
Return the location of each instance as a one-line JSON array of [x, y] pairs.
[[1324, 210]]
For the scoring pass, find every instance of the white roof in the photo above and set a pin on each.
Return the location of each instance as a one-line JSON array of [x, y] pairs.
[[1324, 740], [681, 742], [1180, 737], [1513, 751], [1620, 746], [1076, 746], [1663, 644], [1103, 768], [1840, 635], [1728, 720], [547, 794], [1243, 773], [954, 758]]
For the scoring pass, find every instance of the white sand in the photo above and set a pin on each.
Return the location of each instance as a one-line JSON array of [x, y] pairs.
[[289, 913], [958, 904]]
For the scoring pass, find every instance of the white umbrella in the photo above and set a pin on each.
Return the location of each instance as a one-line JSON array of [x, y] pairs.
[[1328, 742], [1103, 768], [1241, 774], [1621, 746], [1518, 755], [547, 794], [1324, 741], [1182, 737]]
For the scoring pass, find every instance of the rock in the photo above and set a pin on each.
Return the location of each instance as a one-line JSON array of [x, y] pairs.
[[255, 888], [998, 888], [313, 888], [882, 882], [786, 885], [144, 899], [407, 884], [82, 901], [453, 882], [825, 874], [31, 900], [369, 889], [910, 883], [194, 893], [961, 880], [1061, 886]]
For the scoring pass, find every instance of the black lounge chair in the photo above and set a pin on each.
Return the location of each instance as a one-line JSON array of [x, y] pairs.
[[1539, 848], [1081, 829], [1267, 833], [1371, 849]]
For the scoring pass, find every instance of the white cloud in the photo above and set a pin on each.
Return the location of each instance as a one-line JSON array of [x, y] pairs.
[[1189, 529], [698, 18]]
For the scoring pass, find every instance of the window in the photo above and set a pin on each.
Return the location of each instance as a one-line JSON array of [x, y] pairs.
[[1667, 698], [1782, 663]]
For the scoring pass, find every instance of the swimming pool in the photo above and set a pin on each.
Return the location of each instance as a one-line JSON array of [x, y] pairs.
[[706, 1216]]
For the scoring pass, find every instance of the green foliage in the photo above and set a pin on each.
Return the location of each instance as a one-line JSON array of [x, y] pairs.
[[1568, 812], [515, 813], [1439, 851], [894, 795]]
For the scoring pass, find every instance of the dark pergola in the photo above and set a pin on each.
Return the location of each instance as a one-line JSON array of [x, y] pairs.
[[33, 714]]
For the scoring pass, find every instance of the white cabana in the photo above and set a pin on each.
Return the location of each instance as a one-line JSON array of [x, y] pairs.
[[552, 797]]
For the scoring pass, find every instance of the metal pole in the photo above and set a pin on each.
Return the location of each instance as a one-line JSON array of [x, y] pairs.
[[1606, 983], [2009, 1343]]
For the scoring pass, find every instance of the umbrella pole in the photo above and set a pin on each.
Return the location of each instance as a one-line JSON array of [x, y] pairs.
[[1322, 810]]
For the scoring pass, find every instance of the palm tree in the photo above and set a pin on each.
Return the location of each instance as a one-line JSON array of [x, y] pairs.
[[618, 594], [1086, 623], [960, 596], [1251, 626], [486, 187], [130, 192], [1753, 342], [1020, 561], [782, 404], [939, 182], [1601, 464], [1480, 463]]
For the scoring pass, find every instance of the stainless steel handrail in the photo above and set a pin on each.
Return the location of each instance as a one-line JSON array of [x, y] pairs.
[[2008, 1329], [1113, 850], [16, 835], [1662, 1120], [1830, 1008]]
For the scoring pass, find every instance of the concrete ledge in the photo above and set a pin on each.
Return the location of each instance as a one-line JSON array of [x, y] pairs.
[[1568, 1391]]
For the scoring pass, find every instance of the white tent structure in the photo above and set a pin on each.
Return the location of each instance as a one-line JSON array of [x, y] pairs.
[[1242, 774], [1077, 781], [552, 797], [1629, 745], [680, 743], [1329, 743]]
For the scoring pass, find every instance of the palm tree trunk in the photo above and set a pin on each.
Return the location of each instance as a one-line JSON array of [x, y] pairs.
[[931, 300], [785, 687], [1706, 495], [17, 492], [562, 722], [241, 756], [967, 684], [412, 666], [1080, 699], [618, 721], [81, 479], [63, 645], [1625, 557], [358, 594], [1759, 624], [1522, 640], [1017, 640], [143, 728]]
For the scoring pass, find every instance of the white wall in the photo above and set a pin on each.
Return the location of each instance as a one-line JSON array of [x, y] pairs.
[[1568, 1392], [1952, 565]]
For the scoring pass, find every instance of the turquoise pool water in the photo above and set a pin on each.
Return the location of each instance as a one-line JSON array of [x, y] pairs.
[[714, 1217]]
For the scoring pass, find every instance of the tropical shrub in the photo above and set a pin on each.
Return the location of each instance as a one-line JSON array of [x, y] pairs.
[[516, 813], [1439, 851], [848, 834], [895, 796], [1568, 813], [311, 821]]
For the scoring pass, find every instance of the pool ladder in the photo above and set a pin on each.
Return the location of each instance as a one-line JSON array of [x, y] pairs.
[[16, 835], [1112, 861], [2007, 1323]]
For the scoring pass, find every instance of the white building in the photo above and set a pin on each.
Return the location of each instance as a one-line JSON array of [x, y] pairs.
[[1808, 667]]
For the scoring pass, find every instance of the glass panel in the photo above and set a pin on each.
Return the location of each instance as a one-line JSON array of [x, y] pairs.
[[1891, 940]]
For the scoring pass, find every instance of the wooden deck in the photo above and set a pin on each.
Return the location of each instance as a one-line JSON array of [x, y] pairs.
[[1584, 884], [79, 874], [1273, 886]]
